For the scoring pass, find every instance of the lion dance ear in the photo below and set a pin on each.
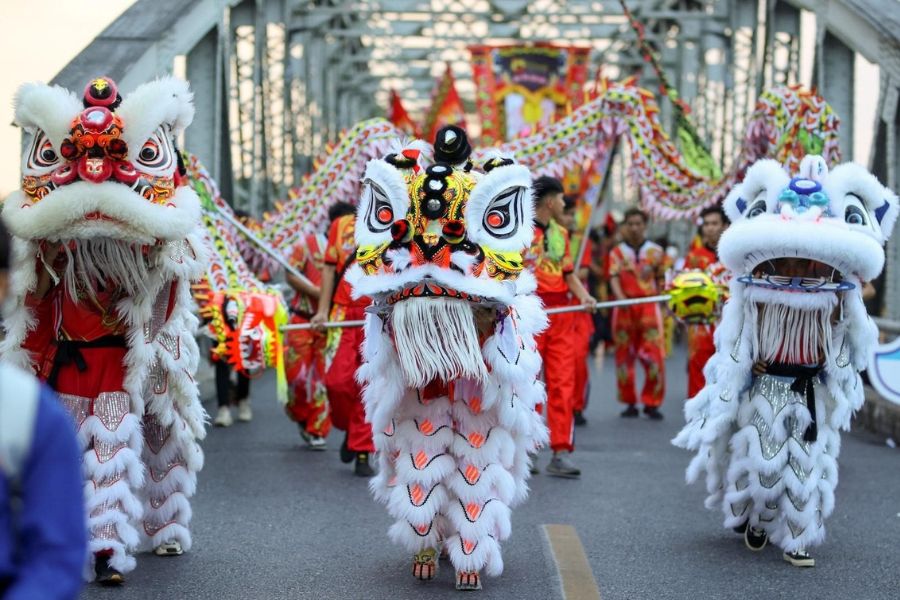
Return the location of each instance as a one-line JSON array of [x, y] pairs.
[[759, 190], [887, 213], [853, 181]]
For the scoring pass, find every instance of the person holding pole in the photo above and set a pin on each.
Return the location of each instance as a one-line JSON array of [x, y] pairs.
[[636, 270], [584, 321], [703, 257], [550, 259], [344, 344]]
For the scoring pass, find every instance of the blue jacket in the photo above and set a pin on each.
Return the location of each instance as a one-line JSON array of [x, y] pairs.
[[51, 542]]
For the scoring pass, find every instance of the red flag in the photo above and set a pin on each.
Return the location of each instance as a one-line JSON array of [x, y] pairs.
[[398, 116], [446, 107]]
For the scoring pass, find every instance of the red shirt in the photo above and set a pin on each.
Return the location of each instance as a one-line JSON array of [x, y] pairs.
[[699, 257], [550, 259], [339, 253], [638, 272], [308, 258]]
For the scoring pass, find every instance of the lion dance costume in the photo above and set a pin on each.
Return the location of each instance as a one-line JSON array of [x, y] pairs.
[[768, 437], [105, 250], [450, 367]]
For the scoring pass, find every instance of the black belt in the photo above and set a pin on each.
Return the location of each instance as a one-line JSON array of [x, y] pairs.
[[69, 352], [804, 378]]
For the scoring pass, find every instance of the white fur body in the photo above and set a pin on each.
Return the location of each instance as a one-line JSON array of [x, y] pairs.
[[450, 468], [143, 485], [748, 430]]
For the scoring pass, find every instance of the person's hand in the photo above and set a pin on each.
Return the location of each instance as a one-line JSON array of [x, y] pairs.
[[318, 321], [589, 303], [759, 368]]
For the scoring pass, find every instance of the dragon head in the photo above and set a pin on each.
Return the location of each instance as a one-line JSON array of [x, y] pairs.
[[799, 246], [440, 239], [103, 166]]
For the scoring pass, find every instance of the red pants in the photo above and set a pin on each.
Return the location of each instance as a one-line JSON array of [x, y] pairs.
[[700, 348], [584, 329], [342, 359], [638, 334], [557, 348], [305, 371]]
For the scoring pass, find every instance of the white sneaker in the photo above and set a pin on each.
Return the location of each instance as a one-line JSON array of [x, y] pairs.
[[223, 417], [316, 442], [800, 558], [172, 548], [245, 413]]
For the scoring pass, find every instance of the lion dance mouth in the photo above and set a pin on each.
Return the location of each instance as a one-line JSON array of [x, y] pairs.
[[436, 339]]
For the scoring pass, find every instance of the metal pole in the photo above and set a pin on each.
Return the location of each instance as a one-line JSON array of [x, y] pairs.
[[265, 247], [549, 311]]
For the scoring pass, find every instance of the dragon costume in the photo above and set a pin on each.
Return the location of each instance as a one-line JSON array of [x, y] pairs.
[[794, 334], [450, 365], [106, 245]]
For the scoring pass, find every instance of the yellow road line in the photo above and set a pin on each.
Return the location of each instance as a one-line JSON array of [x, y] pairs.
[[572, 564]]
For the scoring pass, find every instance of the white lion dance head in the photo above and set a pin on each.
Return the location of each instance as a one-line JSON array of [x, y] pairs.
[[450, 362], [799, 250]]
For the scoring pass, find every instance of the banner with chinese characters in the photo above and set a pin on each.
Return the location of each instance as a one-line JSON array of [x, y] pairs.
[[520, 89]]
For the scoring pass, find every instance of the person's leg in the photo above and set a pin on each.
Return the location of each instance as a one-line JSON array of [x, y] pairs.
[[172, 458], [651, 352], [701, 347], [359, 432], [624, 357], [110, 436], [245, 413], [582, 348], [559, 372], [348, 412], [223, 383], [479, 488]]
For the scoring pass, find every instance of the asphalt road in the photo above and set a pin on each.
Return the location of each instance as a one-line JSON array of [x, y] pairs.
[[273, 520]]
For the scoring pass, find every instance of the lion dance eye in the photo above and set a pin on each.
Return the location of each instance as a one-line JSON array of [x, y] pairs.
[[149, 152], [495, 219], [385, 215], [48, 154]]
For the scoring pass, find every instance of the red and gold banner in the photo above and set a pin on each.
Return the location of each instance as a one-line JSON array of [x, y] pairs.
[[519, 89], [397, 115], [446, 107]]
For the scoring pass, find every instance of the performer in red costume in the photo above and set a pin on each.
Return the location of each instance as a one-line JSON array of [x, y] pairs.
[[551, 261], [584, 321], [308, 406], [107, 242], [636, 270], [703, 256], [344, 344]]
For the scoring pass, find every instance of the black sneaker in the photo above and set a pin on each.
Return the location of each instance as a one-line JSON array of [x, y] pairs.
[[561, 466], [755, 539], [347, 455], [800, 558], [580, 421], [362, 467], [630, 412], [653, 413], [742, 528], [106, 575]]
